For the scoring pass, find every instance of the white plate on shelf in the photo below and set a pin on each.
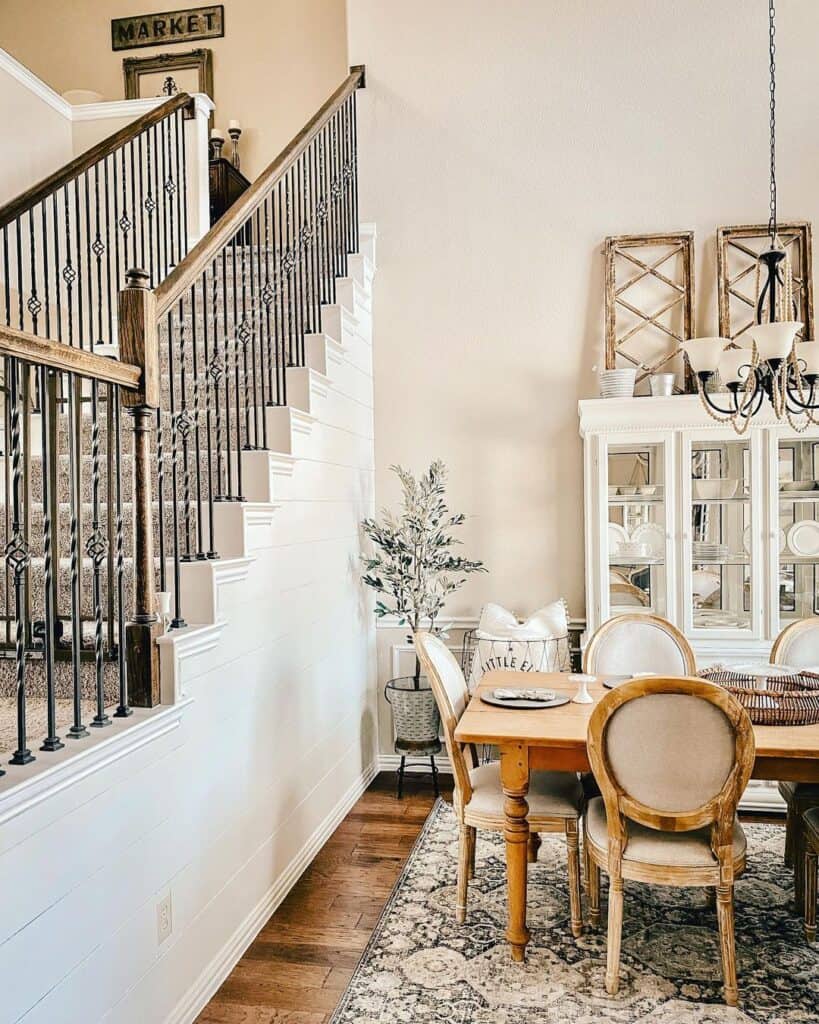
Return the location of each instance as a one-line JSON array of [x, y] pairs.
[[746, 540], [652, 535], [617, 535], [803, 538]]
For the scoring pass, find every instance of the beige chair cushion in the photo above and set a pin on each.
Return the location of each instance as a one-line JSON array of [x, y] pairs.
[[551, 794], [802, 649], [634, 646], [811, 820], [671, 751], [663, 849]]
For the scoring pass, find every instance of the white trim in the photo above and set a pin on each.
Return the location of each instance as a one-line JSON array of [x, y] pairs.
[[209, 980], [123, 737], [203, 104], [26, 77]]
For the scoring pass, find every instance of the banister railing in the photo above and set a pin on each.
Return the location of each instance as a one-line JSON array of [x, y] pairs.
[[66, 243], [42, 460], [233, 315]]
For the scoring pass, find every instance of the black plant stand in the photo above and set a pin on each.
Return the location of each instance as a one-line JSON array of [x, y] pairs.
[[434, 773], [416, 724]]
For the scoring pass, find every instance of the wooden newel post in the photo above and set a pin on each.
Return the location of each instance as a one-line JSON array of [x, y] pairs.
[[138, 345]]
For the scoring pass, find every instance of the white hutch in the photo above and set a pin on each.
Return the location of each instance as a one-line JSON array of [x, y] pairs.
[[717, 532]]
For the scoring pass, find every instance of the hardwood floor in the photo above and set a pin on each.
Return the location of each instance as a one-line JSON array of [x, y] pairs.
[[300, 963]]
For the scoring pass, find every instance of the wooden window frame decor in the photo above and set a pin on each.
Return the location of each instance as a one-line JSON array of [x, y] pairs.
[[201, 60], [749, 240], [628, 247]]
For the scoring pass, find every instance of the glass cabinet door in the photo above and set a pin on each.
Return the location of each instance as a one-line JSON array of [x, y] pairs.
[[798, 533], [637, 528], [721, 540]]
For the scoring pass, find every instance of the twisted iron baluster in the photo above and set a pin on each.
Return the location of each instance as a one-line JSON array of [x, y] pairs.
[[48, 380], [18, 558], [123, 710], [96, 548], [77, 729], [182, 428]]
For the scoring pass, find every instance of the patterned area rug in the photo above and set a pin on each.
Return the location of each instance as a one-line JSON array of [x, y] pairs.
[[422, 968]]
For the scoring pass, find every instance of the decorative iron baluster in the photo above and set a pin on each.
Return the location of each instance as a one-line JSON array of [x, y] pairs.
[[177, 622], [237, 344], [123, 710], [210, 385], [77, 729], [48, 435], [229, 495], [96, 548], [182, 429], [18, 557]]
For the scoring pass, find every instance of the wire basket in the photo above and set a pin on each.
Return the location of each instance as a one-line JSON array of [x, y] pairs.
[[489, 653], [782, 700]]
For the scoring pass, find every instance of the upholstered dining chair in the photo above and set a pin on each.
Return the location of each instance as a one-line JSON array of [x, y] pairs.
[[672, 757], [638, 642], [797, 646], [555, 798]]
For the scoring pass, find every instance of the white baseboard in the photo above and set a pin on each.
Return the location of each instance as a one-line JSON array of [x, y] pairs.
[[203, 989]]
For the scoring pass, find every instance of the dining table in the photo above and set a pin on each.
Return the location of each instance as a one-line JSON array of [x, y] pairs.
[[554, 739]]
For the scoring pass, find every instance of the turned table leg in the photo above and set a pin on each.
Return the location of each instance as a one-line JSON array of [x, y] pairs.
[[515, 781]]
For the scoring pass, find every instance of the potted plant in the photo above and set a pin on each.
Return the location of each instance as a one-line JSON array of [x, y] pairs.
[[413, 569]]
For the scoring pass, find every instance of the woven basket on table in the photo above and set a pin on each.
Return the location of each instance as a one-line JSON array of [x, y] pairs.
[[784, 700]]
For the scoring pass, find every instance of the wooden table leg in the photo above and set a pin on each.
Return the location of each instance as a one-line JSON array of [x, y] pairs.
[[515, 781]]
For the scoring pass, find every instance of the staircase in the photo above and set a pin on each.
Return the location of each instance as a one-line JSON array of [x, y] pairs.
[[232, 348]]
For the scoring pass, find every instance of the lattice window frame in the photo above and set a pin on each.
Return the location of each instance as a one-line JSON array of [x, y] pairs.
[[623, 246], [737, 236]]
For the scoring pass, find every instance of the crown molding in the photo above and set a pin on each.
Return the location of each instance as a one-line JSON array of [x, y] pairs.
[[26, 77]]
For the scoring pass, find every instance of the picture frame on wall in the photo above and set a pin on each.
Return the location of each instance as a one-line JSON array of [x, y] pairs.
[[165, 74]]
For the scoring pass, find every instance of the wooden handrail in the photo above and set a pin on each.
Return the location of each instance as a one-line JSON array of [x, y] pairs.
[[19, 205], [171, 289], [43, 352]]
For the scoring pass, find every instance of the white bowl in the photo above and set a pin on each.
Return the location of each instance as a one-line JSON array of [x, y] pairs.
[[799, 485], [710, 489]]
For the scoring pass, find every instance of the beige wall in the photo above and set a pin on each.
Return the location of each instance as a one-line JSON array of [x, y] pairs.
[[277, 63], [500, 144]]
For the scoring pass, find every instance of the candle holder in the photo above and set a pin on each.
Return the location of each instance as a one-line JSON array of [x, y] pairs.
[[235, 133], [216, 143], [582, 696]]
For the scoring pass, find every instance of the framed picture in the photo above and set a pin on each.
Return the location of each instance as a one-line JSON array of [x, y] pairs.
[[166, 74]]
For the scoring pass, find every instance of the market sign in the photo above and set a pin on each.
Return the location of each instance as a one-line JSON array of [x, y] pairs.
[[170, 27]]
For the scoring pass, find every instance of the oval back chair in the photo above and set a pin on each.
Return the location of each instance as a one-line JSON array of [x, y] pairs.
[[555, 798], [672, 757], [638, 642]]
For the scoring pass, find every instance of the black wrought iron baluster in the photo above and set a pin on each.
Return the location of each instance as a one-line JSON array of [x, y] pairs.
[[170, 188], [18, 557], [356, 226], [278, 273], [21, 290], [197, 415], [96, 548], [106, 184], [124, 221], [7, 599], [77, 729], [236, 370], [140, 141], [98, 249], [161, 457], [181, 207], [90, 328], [134, 206], [183, 180], [268, 301], [299, 257], [210, 387], [162, 196], [262, 321], [48, 435], [34, 305], [288, 264], [46, 281], [123, 710], [7, 277], [177, 621], [226, 373], [315, 267], [150, 203], [324, 175], [183, 425], [243, 335], [110, 527]]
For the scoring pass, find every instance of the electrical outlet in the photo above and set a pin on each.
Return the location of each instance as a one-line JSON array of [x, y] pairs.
[[164, 919]]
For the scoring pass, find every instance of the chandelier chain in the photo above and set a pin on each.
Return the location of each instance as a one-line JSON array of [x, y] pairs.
[[772, 220]]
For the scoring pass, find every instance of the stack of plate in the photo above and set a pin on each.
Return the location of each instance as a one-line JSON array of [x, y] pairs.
[[617, 383], [709, 552]]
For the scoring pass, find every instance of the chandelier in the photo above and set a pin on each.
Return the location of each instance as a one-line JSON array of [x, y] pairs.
[[766, 360]]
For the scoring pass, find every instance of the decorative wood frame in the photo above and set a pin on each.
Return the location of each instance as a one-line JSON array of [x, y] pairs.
[[627, 247], [133, 68], [741, 239], [592, 652]]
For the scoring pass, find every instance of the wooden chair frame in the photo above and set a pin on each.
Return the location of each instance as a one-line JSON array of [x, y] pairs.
[[719, 813], [469, 821], [591, 653]]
